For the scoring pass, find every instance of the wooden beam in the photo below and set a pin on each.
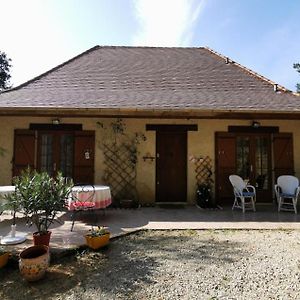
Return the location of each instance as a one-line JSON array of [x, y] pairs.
[[171, 128]]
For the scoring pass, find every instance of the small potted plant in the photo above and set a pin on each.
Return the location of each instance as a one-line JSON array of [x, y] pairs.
[[41, 197], [97, 238], [4, 255]]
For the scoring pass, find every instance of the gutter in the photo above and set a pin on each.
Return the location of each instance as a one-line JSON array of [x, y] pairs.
[[190, 113]]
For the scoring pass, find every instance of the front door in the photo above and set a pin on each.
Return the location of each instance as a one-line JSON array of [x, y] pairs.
[[171, 166]]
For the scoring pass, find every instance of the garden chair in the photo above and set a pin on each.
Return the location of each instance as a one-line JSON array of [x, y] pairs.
[[81, 200], [287, 191], [244, 194]]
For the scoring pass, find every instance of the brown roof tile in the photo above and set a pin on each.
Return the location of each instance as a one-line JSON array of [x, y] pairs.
[[151, 78]]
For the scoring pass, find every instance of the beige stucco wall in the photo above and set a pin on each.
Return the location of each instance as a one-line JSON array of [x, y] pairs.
[[200, 143]]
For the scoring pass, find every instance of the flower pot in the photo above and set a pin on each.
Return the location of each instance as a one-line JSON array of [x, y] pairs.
[[34, 262], [41, 239], [127, 203], [97, 242], [3, 259]]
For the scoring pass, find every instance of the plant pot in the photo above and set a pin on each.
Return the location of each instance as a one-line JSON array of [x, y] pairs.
[[127, 203], [4, 259], [97, 242], [41, 239], [34, 262]]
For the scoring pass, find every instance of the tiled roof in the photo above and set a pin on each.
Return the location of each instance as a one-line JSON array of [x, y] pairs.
[[151, 78]]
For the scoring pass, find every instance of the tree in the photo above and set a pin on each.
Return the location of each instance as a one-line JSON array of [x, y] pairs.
[[4, 71], [297, 67]]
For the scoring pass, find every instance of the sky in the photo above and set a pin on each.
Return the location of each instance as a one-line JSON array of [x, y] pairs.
[[262, 35]]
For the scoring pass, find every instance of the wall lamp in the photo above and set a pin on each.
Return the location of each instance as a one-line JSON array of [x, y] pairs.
[[56, 121], [255, 124]]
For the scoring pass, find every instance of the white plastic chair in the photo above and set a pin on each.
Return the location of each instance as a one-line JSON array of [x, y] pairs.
[[244, 194], [287, 191]]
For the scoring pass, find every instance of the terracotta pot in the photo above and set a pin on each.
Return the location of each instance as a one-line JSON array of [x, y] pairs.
[[97, 242], [41, 239], [34, 262], [4, 259]]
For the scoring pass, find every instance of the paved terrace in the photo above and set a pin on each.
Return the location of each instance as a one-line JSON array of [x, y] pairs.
[[123, 221]]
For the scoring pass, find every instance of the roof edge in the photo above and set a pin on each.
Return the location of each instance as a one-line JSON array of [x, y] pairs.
[[248, 70], [51, 70]]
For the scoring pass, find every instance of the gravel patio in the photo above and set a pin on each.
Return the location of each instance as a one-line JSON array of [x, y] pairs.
[[173, 264]]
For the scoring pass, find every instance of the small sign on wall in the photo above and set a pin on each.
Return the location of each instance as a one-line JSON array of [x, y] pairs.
[[87, 154]]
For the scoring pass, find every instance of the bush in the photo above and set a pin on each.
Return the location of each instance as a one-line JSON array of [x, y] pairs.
[[41, 197]]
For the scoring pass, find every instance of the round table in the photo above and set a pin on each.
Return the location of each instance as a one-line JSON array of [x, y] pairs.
[[98, 194]]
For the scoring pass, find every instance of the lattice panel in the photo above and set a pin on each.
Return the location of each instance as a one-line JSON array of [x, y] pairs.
[[203, 169], [120, 171]]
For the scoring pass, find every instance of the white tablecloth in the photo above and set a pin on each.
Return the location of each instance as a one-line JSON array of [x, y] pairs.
[[5, 190], [101, 197]]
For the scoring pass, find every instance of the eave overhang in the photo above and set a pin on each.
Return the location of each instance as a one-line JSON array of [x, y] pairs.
[[166, 113]]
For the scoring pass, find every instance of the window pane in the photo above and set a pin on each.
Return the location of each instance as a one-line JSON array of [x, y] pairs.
[[243, 157], [66, 155], [261, 163], [47, 153]]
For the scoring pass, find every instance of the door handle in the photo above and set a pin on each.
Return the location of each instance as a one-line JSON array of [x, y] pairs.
[[251, 168], [54, 167]]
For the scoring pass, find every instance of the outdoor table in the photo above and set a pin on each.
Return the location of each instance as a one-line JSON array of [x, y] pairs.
[[5, 190], [12, 238], [98, 194]]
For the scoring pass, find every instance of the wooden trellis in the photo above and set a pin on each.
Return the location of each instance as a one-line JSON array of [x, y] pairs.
[[203, 169], [120, 170]]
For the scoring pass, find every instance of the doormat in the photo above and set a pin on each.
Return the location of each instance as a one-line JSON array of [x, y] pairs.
[[212, 207], [170, 206]]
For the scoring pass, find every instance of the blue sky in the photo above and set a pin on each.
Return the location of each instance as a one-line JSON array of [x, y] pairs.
[[262, 35]]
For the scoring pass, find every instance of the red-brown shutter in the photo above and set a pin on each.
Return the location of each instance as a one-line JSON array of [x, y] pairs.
[[283, 154], [24, 151], [84, 157], [225, 164]]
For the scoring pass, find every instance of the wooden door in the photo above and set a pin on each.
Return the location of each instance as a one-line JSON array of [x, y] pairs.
[[225, 164], [171, 166], [24, 151], [283, 154], [84, 157]]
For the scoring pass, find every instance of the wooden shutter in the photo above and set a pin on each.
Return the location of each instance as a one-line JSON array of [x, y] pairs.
[[24, 151], [225, 164], [84, 157], [283, 154]]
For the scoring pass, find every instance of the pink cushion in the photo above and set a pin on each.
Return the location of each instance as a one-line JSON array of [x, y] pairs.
[[83, 205]]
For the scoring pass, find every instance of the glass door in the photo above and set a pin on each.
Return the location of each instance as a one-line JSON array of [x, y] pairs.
[[56, 152], [253, 163]]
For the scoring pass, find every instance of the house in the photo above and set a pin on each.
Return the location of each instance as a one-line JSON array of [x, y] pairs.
[[188, 102]]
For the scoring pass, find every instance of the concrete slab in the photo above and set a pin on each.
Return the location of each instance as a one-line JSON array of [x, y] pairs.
[[123, 221]]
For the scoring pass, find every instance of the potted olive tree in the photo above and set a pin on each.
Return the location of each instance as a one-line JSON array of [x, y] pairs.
[[41, 197]]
